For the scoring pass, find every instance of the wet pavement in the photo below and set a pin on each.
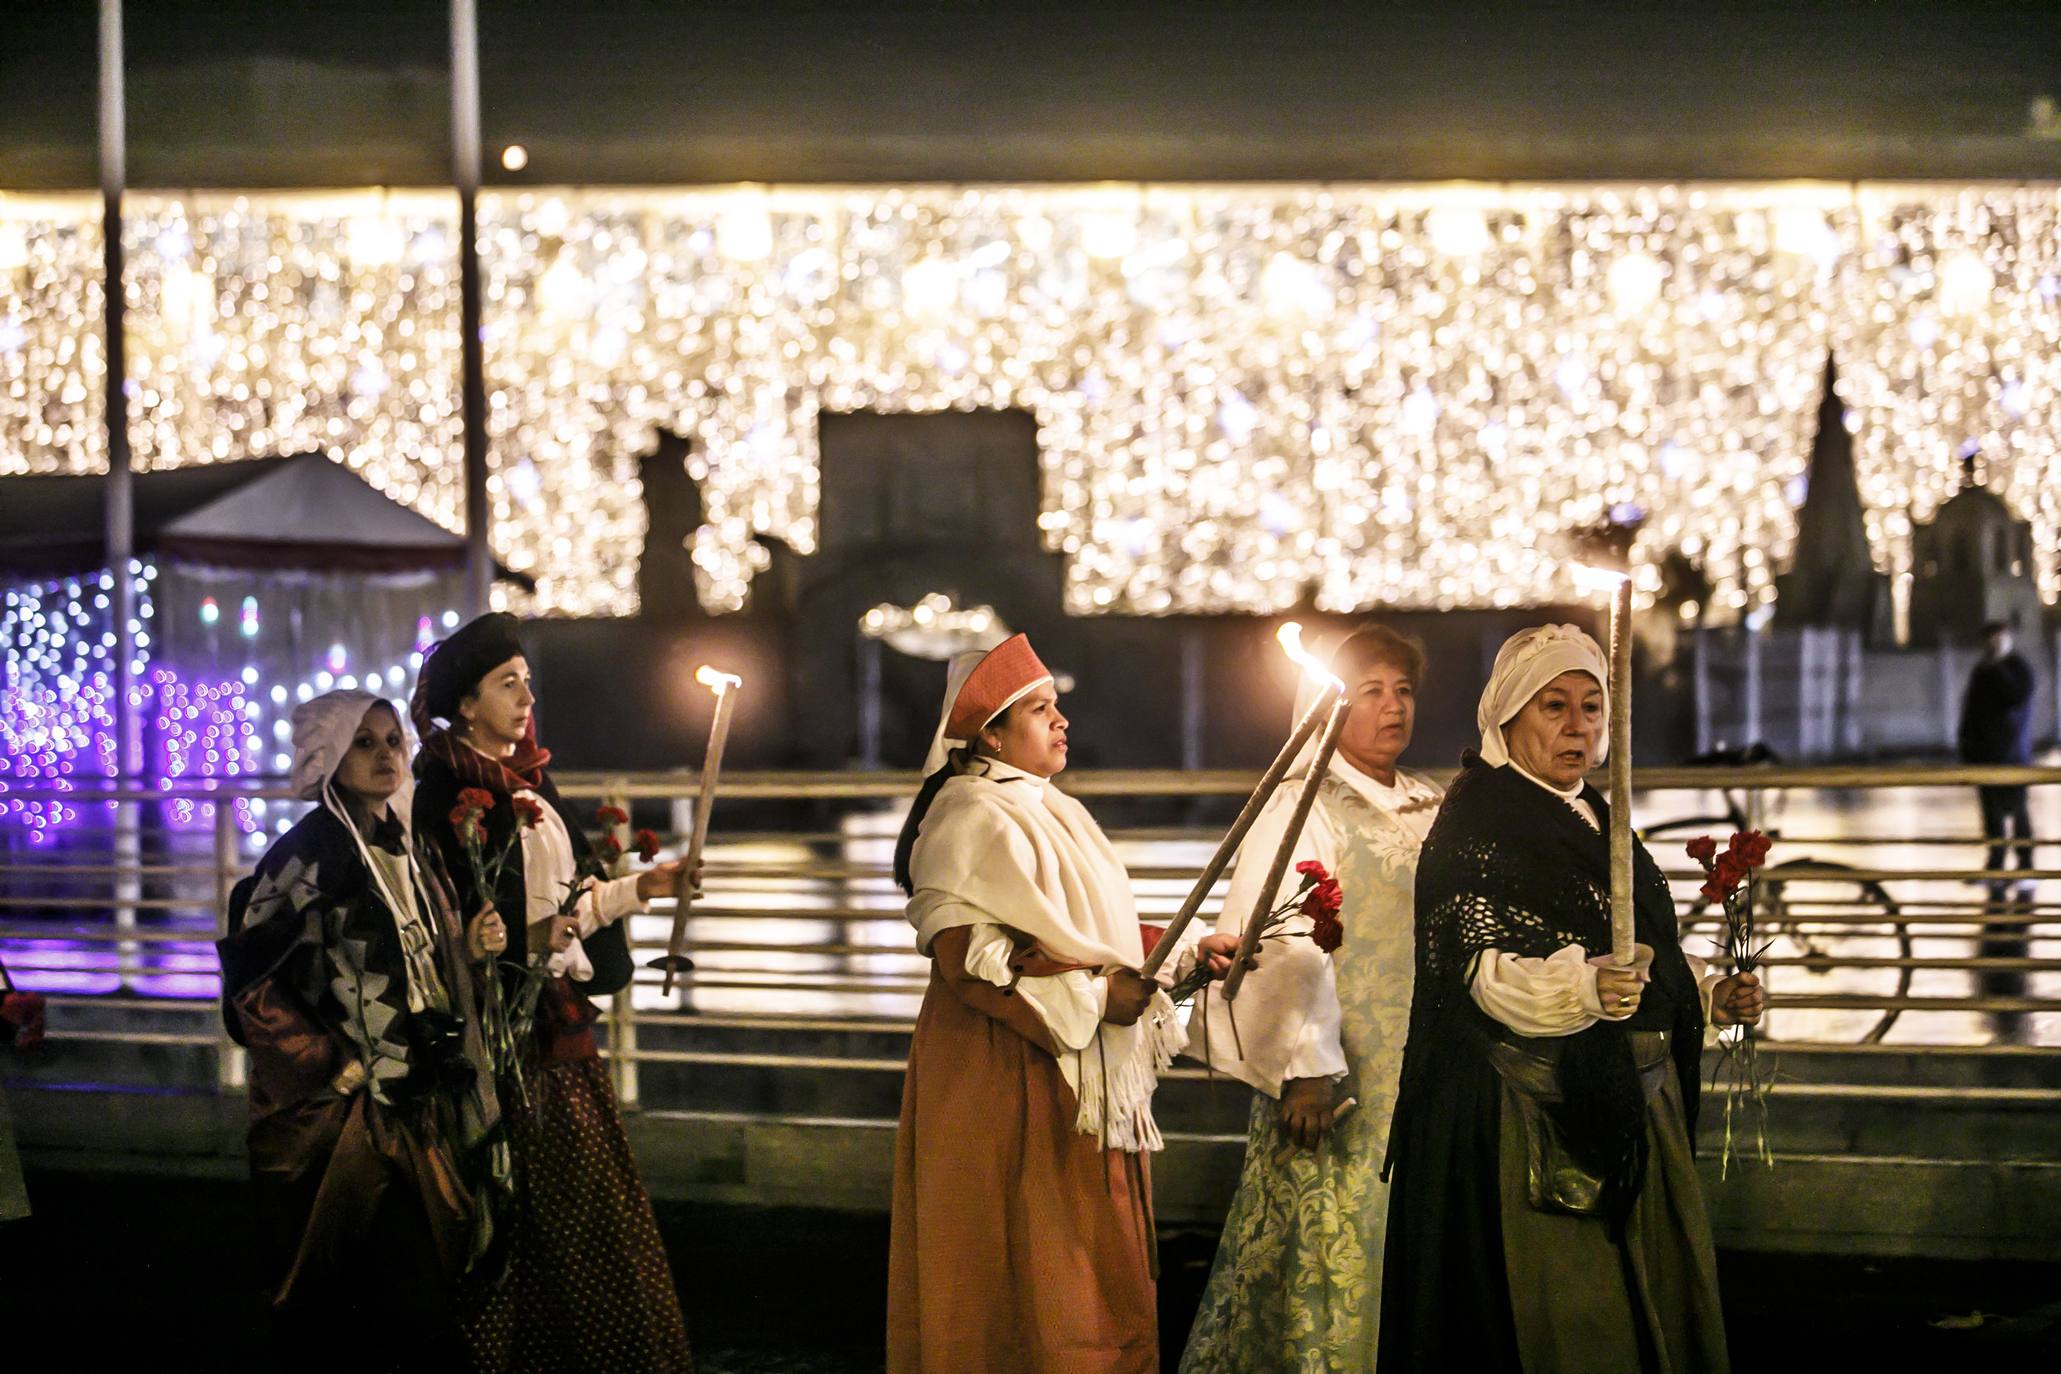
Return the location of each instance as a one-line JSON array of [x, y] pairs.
[[121, 1272]]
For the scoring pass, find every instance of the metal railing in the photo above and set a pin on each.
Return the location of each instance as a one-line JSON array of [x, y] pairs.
[[1896, 938]]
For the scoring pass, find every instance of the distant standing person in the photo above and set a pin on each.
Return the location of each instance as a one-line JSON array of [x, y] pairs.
[[1996, 727]]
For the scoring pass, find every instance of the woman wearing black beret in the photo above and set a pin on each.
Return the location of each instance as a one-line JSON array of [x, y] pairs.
[[587, 1285]]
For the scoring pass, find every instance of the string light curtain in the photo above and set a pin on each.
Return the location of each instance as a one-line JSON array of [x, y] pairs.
[[1384, 394], [293, 323], [1949, 340], [1397, 396], [53, 369]]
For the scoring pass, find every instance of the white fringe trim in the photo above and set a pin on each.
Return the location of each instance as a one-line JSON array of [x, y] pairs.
[[1136, 1055]]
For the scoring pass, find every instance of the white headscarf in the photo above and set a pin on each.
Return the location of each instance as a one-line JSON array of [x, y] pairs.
[[961, 668], [323, 728], [1528, 661]]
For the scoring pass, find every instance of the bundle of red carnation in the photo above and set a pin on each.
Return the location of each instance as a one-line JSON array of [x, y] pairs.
[[1321, 899], [1318, 896], [1729, 885], [588, 869]]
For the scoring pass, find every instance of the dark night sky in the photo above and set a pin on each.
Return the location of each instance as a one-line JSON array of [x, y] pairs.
[[229, 91]]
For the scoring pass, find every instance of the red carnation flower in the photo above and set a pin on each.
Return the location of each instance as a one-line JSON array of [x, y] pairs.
[[1314, 871], [1323, 899], [1728, 872], [609, 846], [465, 816], [646, 845], [1703, 849], [1751, 847], [1713, 894], [611, 815], [529, 811], [1328, 934], [21, 1019]]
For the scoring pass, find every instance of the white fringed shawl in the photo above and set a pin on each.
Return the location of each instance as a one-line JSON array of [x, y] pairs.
[[1003, 847]]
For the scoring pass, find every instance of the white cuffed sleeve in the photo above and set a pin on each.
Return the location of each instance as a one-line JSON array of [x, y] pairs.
[[607, 902], [1287, 1013], [1181, 962], [1070, 1004], [1542, 997], [1707, 979], [1319, 1046]]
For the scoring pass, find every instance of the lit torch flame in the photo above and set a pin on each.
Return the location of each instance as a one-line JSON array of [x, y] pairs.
[[1290, 636], [1595, 581], [716, 680]]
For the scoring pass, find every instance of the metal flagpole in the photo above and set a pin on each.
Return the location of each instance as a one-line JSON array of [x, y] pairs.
[[121, 520], [465, 164]]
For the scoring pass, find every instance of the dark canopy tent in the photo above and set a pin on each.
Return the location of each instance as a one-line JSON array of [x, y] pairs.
[[305, 512], [263, 582]]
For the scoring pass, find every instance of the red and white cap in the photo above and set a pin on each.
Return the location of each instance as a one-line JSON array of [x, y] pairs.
[[979, 687]]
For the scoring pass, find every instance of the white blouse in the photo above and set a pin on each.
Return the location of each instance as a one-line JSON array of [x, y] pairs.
[[1292, 1024], [1556, 995], [547, 866]]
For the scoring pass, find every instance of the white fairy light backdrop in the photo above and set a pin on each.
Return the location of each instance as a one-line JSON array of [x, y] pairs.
[[1398, 395], [53, 370], [287, 324], [1951, 336]]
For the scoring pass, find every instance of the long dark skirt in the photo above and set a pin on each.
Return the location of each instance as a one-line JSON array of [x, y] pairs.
[[588, 1288], [366, 1228], [1476, 1278], [1581, 1302]]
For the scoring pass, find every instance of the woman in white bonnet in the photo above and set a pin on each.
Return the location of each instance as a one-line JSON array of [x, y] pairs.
[[350, 984], [1545, 1213]]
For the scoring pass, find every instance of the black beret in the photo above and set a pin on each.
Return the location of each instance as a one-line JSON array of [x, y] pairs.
[[456, 664]]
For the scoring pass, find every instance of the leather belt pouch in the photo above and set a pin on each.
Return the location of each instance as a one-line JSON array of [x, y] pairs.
[[1554, 1179]]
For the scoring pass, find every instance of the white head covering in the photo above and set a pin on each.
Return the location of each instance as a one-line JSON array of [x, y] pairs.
[[961, 668], [1528, 661], [323, 728]]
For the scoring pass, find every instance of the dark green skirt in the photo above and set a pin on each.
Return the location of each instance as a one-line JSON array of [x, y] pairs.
[[1580, 1306]]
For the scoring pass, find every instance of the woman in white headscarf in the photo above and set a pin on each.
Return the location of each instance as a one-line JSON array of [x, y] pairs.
[[350, 984], [1022, 1235], [1545, 1213]]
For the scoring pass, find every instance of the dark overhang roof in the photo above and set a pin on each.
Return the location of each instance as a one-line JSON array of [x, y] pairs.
[[248, 94], [305, 512]]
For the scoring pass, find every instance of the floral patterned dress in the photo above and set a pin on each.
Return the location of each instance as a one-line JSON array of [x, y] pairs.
[[1297, 1280]]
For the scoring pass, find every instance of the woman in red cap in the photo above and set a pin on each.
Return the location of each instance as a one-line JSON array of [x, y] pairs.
[[1023, 1237]]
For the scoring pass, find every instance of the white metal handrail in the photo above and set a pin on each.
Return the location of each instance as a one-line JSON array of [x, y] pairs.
[[895, 970]]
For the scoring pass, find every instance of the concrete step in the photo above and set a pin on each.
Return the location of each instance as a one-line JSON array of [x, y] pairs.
[[1979, 1207], [1964, 1103]]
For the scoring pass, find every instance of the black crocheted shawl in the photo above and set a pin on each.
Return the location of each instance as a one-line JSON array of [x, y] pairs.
[[1512, 867]]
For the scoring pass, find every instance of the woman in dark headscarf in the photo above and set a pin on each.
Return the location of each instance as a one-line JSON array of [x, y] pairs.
[[1546, 1214], [588, 1286], [370, 1091]]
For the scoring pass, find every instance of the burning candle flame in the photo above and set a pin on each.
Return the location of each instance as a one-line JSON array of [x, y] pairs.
[[716, 680], [1290, 636]]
